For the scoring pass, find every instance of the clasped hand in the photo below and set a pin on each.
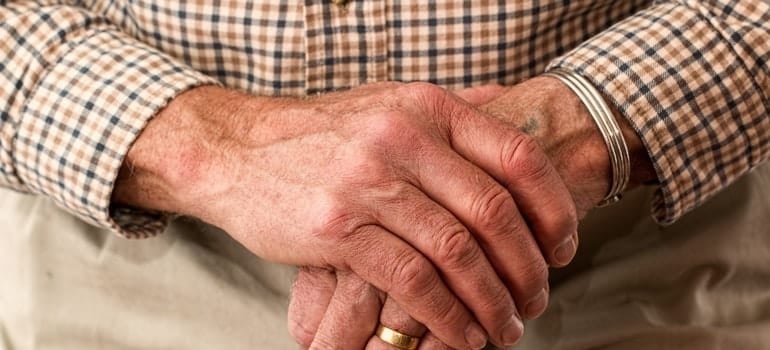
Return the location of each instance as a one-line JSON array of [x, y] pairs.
[[337, 309], [407, 191]]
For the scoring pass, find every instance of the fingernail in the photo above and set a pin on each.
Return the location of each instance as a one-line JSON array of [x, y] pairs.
[[537, 305], [513, 331], [565, 251], [475, 336]]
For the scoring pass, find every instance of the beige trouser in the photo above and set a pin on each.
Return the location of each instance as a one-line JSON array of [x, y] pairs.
[[703, 283]]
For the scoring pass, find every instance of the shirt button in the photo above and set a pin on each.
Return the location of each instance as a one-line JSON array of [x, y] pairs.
[[341, 3]]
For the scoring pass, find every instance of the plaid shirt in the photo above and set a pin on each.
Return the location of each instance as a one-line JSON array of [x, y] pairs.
[[80, 79]]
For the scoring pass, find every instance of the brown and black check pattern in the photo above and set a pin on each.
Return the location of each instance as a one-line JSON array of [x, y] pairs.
[[693, 78], [79, 79]]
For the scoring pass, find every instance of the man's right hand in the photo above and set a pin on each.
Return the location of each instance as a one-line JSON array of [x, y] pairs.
[[404, 185]]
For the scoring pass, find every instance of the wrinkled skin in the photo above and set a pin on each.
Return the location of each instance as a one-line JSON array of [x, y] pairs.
[[326, 308], [404, 186]]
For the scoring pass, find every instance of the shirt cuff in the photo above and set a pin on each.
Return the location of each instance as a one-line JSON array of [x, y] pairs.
[[84, 114], [693, 100]]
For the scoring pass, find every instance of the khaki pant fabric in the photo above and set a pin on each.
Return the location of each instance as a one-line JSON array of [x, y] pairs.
[[703, 283]]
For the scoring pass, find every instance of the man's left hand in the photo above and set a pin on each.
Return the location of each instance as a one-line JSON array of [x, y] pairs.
[[543, 108]]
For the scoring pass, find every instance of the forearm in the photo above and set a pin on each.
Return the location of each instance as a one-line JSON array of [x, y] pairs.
[[689, 76], [72, 102], [174, 151]]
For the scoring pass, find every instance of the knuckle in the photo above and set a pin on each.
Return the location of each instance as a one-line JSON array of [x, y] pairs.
[[398, 194], [519, 228], [447, 315], [565, 222], [498, 303], [389, 127], [456, 248], [555, 225], [523, 157], [431, 96], [395, 135], [494, 209], [340, 220], [568, 216], [571, 219], [355, 292], [413, 275], [535, 276]]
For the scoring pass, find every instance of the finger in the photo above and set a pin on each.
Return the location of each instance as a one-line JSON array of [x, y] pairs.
[[352, 315], [479, 95], [410, 279], [393, 317], [517, 161], [310, 296], [489, 211], [444, 240], [428, 342]]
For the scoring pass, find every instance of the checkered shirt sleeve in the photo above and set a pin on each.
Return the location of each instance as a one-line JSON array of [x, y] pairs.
[[693, 78], [74, 94]]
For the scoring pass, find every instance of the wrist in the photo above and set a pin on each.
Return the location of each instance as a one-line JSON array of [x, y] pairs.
[[174, 159], [550, 112], [589, 155], [574, 143]]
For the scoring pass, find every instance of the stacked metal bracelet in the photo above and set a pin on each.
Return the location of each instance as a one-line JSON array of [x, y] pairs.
[[608, 127]]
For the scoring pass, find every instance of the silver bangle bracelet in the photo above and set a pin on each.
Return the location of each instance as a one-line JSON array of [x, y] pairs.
[[620, 161]]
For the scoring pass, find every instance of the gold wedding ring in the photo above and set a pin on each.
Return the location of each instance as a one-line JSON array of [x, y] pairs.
[[397, 339]]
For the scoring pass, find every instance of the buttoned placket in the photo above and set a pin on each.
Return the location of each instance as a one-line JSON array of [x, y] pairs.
[[345, 43]]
